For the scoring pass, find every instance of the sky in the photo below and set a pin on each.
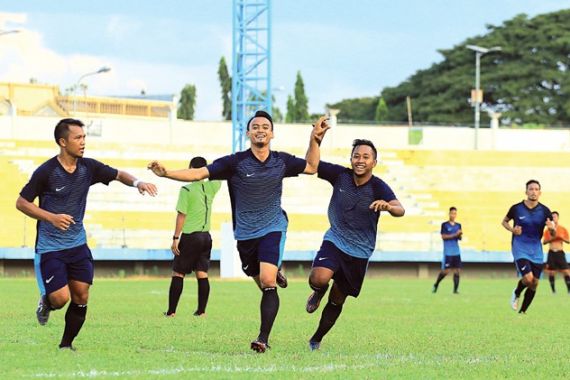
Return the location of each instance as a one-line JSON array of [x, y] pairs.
[[343, 49]]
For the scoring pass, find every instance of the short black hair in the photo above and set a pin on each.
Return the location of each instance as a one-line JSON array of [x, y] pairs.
[[555, 212], [261, 113], [452, 208], [197, 162], [531, 181], [62, 128], [369, 143]]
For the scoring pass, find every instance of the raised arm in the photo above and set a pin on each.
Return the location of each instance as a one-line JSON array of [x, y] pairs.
[[59, 221], [130, 180], [313, 155], [185, 175]]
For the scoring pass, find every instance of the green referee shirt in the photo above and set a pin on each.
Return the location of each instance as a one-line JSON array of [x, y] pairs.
[[195, 201]]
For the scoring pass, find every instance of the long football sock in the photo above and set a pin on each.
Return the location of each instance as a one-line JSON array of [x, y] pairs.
[[551, 280], [203, 294], [328, 319], [74, 318], [567, 279], [520, 288], [455, 282], [176, 286], [528, 296], [269, 308], [440, 277]]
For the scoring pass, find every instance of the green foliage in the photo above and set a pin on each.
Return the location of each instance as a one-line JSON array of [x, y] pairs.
[[187, 103], [356, 110], [226, 85], [381, 111], [298, 106], [528, 81], [396, 329]]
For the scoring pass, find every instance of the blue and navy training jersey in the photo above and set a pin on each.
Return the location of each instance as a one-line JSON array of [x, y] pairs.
[[450, 246], [61, 192], [255, 189], [353, 224], [532, 220]]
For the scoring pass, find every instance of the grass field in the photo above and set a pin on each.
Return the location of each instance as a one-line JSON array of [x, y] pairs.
[[395, 329]]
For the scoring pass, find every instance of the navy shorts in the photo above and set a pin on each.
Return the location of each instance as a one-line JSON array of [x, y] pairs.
[[55, 269], [451, 262], [266, 249], [556, 261], [349, 271], [525, 266], [195, 250]]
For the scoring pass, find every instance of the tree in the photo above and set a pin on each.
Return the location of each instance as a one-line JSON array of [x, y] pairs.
[[187, 103], [381, 111], [226, 85], [528, 81], [298, 105], [356, 110]]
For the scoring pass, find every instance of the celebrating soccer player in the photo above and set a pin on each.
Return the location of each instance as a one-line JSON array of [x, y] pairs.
[[255, 182], [529, 218], [354, 209], [451, 233], [63, 261]]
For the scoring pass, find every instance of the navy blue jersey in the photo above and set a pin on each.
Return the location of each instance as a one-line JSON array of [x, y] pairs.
[[255, 189], [353, 224], [61, 192], [528, 245], [450, 246]]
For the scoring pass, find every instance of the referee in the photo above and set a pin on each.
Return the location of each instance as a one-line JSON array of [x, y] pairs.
[[191, 242]]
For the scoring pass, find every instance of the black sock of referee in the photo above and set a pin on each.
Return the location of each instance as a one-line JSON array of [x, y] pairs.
[[176, 286], [328, 319], [455, 282], [269, 307], [551, 280], [567, 279], [528, 296], [74, 318], [520, 288], [203, 294], [440, 277]]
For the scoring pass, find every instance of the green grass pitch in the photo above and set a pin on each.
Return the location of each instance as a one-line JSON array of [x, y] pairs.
[[395, 329]]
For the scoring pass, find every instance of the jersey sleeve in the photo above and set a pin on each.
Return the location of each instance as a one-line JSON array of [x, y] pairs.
[[182, 204], [293, 165], [512, 212], [216, 185], [442, 231], [329, 172], [222, 168], [35, 185], [102, 173], [383, 191]]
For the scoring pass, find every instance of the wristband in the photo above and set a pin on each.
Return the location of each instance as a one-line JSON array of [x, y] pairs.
[[175, 238], [136, 182]]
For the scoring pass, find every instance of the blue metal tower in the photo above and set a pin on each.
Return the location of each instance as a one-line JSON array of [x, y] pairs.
[[251, 64]]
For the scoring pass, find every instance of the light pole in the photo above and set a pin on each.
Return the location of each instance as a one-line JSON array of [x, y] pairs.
[[479, 51], [104, 69]]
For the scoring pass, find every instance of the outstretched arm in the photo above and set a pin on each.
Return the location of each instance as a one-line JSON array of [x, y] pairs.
[[185, 175], [130, 180], [313, 155], [394, 207]]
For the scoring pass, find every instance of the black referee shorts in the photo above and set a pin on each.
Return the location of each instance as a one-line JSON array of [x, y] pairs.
[[195, 250]]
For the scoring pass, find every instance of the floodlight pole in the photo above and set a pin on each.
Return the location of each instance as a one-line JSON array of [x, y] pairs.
[[104, 69]]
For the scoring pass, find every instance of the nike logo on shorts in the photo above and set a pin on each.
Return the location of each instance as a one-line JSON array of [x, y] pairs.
[[49, 279], [523, 268], [245, 268], [322, 258]]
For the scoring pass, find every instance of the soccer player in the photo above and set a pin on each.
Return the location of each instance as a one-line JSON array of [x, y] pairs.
[[451, 233], [191, 242], [529, 218], [556, 261], [255, 182], [358, 198], [63, 261]]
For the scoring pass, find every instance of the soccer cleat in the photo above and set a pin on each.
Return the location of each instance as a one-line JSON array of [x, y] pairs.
[[313, 301], [314, 346], [434, 289], [43, 310], [281, 280], [67, 348], [259, 346], [169, 315], [514, 301], [197, 314]]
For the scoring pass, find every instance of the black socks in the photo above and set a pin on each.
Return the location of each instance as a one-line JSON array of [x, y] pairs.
[[74, 318], [528, 296], [440, 277], [520, 288], [176, 286], [269, 308], [203, 293], [328, 319], [551, 280]]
